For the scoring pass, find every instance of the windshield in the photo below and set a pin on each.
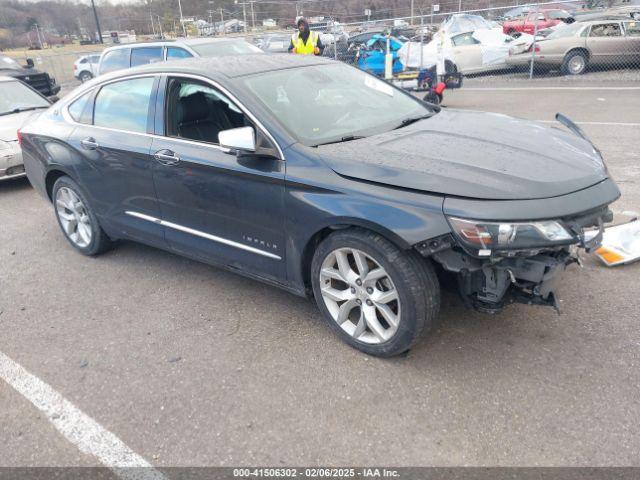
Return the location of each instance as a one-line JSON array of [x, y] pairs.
[[16, 95], [7, 63], [327, 103], [566, 30], [219, 49]]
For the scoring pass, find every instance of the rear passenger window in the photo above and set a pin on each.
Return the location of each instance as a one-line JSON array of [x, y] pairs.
[[124, 105], [605, 30], [145, 55], [80, 109], [115, 60], [175, 52]]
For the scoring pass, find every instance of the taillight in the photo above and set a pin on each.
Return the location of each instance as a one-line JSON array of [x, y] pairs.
[[75, 67], [19, 134]]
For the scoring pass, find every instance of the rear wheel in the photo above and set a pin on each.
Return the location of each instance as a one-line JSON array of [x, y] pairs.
[[376, 297], [85, 76], [76, 219], [575, 63]]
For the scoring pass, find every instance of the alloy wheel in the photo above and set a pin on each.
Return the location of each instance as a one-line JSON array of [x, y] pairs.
[[360, 295], [73, 217]]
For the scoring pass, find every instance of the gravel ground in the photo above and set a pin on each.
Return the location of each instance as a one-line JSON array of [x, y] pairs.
[[190, 365]]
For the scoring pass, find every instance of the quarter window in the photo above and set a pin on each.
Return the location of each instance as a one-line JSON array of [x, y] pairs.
[[124, 105], [145, 55], [115, 60], [80, 109], [605, 30], [196, 111]]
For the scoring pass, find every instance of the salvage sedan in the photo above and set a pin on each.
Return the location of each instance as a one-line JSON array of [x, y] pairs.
[[319, 178]]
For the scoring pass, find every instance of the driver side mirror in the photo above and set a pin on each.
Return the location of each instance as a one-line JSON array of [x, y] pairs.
[[30, 63], [243, 139]]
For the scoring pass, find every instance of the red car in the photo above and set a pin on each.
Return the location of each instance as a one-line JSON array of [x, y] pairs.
[[545, 18]]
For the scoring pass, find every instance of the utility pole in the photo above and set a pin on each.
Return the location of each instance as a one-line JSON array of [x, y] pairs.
[[253, 16], [38, 35], [459, 6], [160, 25], [184, 30], [411, 12], [224, 30], [95, 15]]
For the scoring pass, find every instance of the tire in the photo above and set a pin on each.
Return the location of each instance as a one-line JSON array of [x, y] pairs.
[[407, 277], [450, 67], [433, 98], [85, 76], [574, 63], [66, 194]]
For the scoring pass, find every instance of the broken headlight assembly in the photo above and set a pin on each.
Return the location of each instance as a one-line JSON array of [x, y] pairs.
[[482, 237]]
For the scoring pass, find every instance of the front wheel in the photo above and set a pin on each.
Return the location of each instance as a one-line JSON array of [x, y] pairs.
[[376, 297]]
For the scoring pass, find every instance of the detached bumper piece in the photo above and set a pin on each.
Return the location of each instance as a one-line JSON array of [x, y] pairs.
[[620, 244]]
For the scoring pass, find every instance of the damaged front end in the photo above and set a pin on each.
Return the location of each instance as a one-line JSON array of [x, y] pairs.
[[497, 263]]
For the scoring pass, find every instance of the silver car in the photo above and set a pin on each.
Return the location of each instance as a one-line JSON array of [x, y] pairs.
[[575, 46], [18, 102]]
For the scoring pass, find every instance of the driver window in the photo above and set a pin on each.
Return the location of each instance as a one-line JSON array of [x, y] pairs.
[[196, 111], [464, 39]]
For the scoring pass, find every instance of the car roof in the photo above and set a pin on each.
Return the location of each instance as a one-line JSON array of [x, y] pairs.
[[172, 41], [231, 66]]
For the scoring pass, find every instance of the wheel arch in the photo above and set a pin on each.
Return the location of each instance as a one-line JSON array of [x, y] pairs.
[[583, 50], [51, 177], [324, 231]]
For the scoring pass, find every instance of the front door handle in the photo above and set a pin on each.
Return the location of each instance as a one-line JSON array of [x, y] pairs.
[[89, 143], [166, 157]]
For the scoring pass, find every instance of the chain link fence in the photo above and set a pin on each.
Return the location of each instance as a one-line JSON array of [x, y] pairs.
[[559, 41]]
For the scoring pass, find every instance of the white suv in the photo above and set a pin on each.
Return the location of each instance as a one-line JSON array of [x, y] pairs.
[[86, 67], [133, 55]]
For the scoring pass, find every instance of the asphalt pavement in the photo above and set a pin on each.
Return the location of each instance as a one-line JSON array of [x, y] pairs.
[[189, 365]]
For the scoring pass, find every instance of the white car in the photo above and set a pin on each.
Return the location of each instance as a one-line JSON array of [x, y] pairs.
[[18, 102], [86, 67], [135, 54]]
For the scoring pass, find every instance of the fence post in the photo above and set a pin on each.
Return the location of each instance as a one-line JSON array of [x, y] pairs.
[[533, 45]]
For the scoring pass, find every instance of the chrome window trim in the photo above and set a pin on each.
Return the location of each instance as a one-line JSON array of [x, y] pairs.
[[213, 83], [205, 235]]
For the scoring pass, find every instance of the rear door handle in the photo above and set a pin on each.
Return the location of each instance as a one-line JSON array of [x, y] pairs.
[[166, 157], [89, 143]]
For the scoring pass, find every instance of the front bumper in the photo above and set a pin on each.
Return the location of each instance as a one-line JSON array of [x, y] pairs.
[[524, 276], [11, 165]]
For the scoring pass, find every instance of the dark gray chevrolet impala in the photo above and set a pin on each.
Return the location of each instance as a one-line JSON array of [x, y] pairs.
[[326, 181]]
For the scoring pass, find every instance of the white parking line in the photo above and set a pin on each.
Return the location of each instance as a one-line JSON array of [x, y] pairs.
[[515, 89], [609, 124], [77, 427]]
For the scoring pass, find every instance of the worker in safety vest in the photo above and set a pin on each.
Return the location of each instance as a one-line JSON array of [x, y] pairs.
[[305, 41]]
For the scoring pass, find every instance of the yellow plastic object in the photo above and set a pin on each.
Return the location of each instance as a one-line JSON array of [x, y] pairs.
[[620, 244]]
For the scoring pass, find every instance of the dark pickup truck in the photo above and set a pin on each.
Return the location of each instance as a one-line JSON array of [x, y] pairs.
[[40, 81]]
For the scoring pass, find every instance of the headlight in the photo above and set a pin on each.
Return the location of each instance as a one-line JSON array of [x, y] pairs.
[[486, 236]]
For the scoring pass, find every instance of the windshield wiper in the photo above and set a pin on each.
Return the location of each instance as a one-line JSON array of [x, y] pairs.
[[348, 138], [409, 121], [20, 110]]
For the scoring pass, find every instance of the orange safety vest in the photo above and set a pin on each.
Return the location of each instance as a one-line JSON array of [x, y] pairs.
[[305, 48]]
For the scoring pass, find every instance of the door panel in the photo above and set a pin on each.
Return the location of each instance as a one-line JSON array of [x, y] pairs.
[[221, 207], [606, 43], [216, 205], [117, 169]]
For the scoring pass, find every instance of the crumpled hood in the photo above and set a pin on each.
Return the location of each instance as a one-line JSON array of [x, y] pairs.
[[472, 154], [9, 124]]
